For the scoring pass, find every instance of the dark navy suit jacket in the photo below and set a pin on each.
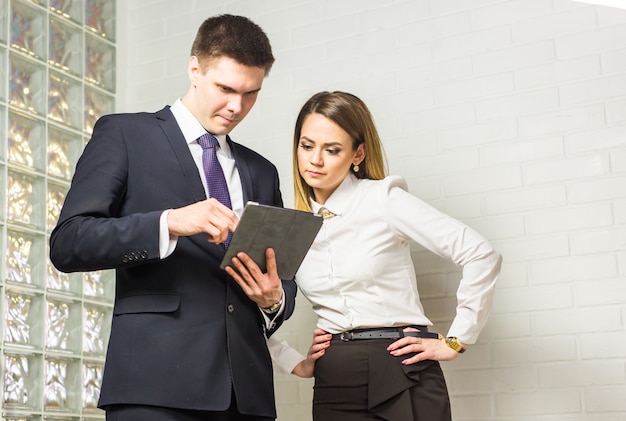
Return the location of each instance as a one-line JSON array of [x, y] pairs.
[[183, 333]]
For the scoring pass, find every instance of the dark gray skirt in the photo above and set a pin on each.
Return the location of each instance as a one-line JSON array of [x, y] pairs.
[[362, 381]]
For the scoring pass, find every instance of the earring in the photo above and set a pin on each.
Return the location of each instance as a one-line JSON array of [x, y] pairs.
[[356, 168]]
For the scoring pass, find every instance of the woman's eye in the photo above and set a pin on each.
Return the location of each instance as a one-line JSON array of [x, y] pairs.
[[306, 147], [333, 151]]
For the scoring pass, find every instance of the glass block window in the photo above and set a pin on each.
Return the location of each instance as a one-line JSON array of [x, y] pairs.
[[57, 66]]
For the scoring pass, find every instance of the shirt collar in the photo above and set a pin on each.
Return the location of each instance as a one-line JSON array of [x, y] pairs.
[[191, 127], [340, 198]]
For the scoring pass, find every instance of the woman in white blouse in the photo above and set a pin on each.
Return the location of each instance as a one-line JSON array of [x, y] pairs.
[[376, 359]]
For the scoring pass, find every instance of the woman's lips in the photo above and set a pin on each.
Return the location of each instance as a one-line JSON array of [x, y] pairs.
[[314, 173]]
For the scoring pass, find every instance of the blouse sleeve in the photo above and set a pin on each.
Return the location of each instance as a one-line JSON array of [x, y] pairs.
[[283, 355], [413, 219]]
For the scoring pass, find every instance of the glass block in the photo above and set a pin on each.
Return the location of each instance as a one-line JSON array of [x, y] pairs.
[[96, 326], [27, 84], [63, 325], [100, 63], [2, 202], [64, 100], [69, 9], [100, 17], [26, 140], [15, 417], [4, 19], [28, 25], [99, 285], [18, 259], [49, 417], [61, 383], [92, 380], [22, 315], [3, 132], [59, 281], [96, 105], [3, 68], [26, 260], [64, 149], [56, 197], [24, 202], [22, 382], [66, 47]]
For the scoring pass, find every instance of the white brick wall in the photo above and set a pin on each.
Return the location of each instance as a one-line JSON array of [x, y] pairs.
[[507, 114]]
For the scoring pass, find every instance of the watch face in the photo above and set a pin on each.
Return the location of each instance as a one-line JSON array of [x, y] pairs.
[[454, 344]]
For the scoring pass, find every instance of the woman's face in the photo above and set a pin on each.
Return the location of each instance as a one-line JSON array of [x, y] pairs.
[[325, 155]]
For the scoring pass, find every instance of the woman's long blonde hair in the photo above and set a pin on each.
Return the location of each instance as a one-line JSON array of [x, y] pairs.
[[353, 116]]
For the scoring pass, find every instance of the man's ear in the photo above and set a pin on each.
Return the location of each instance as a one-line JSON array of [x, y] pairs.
[[193, 70]]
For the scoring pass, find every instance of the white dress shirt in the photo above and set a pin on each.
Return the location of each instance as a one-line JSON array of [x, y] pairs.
[[359, 273], [192, 130]]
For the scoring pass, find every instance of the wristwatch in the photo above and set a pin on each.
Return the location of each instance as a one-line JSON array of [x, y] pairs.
[[273, 308], [453, 343]]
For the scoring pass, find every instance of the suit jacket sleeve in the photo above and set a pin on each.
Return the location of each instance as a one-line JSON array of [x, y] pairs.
[[96, 230]]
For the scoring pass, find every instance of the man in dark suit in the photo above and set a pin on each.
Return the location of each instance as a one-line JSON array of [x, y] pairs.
[[187, 341]]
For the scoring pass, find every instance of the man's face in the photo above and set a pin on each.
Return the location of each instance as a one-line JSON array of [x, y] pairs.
[[223, 92]]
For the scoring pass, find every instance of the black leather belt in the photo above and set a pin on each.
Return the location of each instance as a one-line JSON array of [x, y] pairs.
[[384, 333]]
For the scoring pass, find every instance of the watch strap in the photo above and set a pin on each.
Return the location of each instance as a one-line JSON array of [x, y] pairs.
[[453, 343]]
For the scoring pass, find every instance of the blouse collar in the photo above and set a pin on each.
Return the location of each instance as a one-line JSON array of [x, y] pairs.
[[338, 201]]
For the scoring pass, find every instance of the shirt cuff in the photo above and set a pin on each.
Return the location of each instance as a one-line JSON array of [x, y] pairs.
[[269, 323], [167, 242]]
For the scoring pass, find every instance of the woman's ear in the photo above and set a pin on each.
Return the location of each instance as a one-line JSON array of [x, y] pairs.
[[360, 154]]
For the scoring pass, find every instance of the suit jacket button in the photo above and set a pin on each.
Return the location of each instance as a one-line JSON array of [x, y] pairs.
[[230, 308]]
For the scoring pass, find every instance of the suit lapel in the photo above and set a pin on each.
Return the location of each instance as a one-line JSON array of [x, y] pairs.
[[181, 151], [244, 170], [190, 170]]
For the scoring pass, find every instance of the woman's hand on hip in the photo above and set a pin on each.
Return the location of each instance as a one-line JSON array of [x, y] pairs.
[[426, 349]]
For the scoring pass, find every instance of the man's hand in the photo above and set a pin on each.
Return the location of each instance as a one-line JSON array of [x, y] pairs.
[[208, 216], [265, 289]]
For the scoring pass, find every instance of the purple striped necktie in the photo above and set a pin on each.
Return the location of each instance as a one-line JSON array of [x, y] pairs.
[[215, 180]]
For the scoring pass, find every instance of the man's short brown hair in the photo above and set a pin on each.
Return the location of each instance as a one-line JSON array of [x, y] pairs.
[[236, 37]]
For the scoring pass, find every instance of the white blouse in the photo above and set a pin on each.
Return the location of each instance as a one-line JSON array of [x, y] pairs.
[[359, 273], [283, 355]]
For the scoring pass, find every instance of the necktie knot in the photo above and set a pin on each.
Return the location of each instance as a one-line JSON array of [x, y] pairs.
[[207, 140]]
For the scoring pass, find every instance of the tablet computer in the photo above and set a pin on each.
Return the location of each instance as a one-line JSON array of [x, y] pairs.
[[288, 231]]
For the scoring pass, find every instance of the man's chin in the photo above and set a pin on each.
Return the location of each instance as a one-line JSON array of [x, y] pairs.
[[225, 124], [221, 129]]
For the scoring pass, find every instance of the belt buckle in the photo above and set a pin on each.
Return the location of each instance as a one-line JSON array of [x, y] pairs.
[[344, 336]]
